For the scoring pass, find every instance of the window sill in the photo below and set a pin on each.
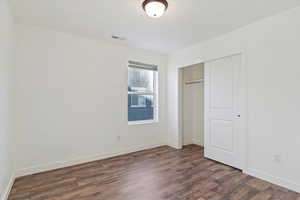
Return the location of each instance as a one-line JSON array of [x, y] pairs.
[[142, 122]]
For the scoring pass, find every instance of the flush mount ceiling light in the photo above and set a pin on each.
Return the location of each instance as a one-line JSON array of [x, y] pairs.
[[155, 8]]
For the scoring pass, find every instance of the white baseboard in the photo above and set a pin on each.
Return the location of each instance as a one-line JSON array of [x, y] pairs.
[[273, 179], [197, 143], [8, 188], [76, 161], [174, 144]]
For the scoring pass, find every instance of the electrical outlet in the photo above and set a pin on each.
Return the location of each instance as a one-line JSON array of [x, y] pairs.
[[277, 158]]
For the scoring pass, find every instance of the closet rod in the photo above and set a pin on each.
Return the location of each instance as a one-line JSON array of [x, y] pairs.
[[194, 82]]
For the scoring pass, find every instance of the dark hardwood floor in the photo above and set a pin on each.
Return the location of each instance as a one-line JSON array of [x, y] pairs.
[[155, 174]]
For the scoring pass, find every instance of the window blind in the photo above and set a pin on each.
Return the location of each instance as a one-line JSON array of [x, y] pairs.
[[139, 65]]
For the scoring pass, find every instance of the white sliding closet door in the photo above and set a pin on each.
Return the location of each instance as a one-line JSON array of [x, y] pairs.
[[222, 110]]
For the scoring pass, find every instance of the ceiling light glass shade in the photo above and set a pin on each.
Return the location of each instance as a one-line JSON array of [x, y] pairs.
[[155, 8]]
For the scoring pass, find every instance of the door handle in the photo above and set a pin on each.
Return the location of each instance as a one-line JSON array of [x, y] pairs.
[[238, 116]]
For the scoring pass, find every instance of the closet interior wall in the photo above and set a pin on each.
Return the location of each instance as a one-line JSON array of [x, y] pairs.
[[193, 104]]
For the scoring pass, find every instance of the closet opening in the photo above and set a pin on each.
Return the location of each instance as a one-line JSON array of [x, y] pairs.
[[212, 109], [191, 91]]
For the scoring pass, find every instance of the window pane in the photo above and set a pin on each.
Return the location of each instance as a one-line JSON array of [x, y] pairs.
[[140, 80], [140, 107], [137, 101]]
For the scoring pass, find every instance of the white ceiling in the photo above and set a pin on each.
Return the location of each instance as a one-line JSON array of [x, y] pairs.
[[186, 21]]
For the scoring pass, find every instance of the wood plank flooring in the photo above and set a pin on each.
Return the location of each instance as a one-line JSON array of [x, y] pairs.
[[157, 174]]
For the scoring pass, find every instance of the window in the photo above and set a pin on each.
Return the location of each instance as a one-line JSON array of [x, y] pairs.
[[142, 92]]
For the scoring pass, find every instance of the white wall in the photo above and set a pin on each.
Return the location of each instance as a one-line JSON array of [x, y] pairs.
[[193, 105], [72, 100], [6, 98], [271, 57]]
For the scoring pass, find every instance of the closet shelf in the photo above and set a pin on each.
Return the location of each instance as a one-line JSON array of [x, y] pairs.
[[194, 81]]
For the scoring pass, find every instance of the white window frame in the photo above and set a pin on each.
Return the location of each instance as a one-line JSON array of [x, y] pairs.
[[155, 100]]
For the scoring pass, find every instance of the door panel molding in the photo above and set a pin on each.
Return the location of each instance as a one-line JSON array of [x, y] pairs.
[[225, 147]]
